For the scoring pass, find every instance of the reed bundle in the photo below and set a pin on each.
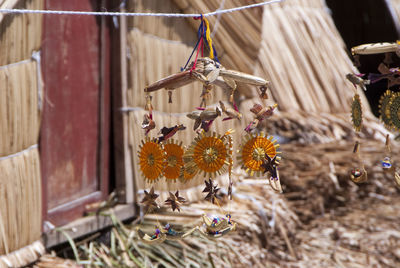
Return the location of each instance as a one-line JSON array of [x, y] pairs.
[[20, 35], [20, 209], [19, 114], [23, 256]]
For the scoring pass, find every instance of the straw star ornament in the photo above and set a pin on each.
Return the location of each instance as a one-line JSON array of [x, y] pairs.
[[175, 201], [211, 190], [149, 199]]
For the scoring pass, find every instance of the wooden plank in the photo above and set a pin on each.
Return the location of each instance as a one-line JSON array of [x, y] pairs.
[[87, 225]]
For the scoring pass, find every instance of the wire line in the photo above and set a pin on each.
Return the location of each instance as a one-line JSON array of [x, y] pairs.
[[130, 14]]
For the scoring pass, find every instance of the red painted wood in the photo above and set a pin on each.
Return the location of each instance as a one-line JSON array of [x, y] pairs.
[[74, 138]]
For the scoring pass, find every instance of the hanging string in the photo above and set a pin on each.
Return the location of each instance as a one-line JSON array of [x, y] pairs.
[[130, 14], [200, 34], [203, 33], [209, 40]]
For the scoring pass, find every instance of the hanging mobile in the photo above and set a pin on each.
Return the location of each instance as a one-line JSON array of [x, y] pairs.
[[358, 175]]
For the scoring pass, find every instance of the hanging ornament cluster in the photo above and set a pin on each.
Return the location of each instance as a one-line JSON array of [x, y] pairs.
[[158, 160], [389, 102], [210, 154]]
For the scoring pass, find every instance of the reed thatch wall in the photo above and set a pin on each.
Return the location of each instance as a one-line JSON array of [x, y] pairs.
[[20, 180], [294, 44], [19, 34], [19, 114], [21, 212]]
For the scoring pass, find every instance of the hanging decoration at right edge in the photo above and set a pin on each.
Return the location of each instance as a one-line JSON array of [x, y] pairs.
[[356, 112]]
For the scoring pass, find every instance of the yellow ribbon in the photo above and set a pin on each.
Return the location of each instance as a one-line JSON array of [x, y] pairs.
[[209, 40]]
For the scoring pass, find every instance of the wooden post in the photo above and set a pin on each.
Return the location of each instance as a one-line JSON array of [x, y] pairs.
[[122, 157]]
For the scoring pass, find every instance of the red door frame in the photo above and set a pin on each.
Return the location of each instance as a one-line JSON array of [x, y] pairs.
[[71, 56]]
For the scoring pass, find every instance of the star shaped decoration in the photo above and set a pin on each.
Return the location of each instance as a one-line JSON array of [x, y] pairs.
[[149, 199], [269, 165], [211, 190], [175, 201]]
